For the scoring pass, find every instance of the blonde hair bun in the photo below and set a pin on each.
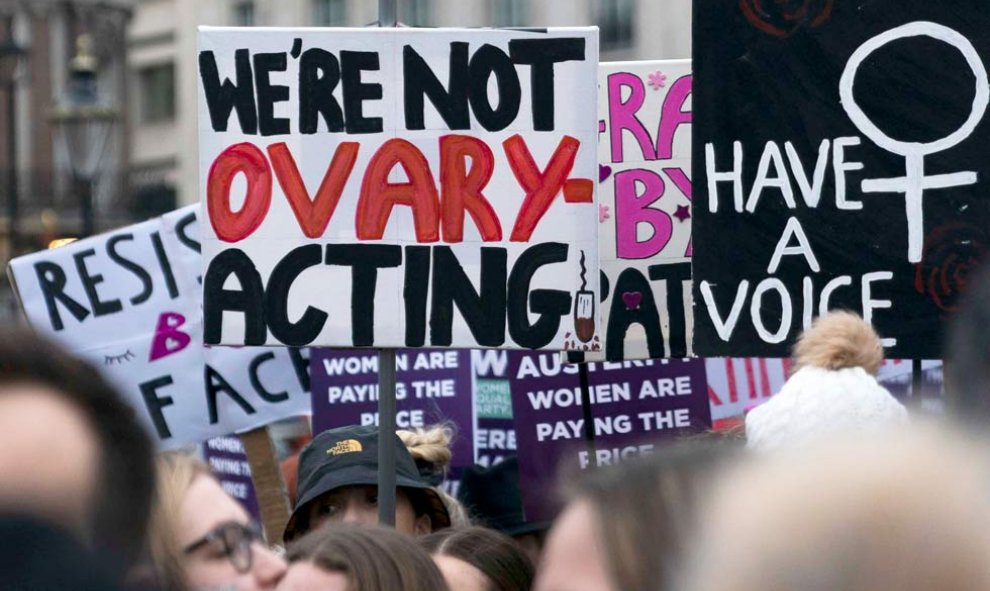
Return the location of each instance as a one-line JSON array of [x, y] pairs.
[[839, 340], [430, 445]]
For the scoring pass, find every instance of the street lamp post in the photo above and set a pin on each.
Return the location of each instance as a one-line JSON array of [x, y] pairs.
[[83, 124], [11, 56]]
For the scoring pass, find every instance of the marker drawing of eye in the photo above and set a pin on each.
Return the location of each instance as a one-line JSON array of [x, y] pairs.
[[118, 359]]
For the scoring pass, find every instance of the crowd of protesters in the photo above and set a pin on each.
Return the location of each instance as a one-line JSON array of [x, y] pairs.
[[832, 485]]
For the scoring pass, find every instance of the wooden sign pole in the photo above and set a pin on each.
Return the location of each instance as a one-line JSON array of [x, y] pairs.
[[273, 499]]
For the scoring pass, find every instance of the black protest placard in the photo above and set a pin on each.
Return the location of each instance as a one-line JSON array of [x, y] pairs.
[[839, 163]]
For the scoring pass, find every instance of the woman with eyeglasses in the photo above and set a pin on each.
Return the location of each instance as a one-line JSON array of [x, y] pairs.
[[201, 538]]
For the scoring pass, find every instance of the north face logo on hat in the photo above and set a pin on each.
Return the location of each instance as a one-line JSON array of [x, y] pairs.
[[347, 446]]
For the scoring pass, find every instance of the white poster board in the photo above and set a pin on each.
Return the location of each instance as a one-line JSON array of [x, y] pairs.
[[129, 302], [644, 155], [399, 187]]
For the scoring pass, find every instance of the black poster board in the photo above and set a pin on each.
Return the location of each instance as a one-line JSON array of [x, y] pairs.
[[818, 126]]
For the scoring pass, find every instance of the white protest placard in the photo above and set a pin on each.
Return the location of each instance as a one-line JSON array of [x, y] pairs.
[[736, 386], [644, 155], [399, 187], [129, 302]]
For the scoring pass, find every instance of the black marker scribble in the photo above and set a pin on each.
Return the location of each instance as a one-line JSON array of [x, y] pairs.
[[584, 272]]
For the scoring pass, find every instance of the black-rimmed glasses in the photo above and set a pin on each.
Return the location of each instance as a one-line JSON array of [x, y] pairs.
[[235, 539]]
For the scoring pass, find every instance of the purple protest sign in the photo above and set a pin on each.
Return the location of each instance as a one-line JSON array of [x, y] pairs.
[[432, 386], [634, 404], [495, 431], [229, 464]]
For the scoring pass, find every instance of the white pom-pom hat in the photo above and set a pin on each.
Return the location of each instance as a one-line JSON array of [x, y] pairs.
[[833, 390]]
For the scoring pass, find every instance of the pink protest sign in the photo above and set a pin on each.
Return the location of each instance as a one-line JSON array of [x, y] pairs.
[[644, 156]]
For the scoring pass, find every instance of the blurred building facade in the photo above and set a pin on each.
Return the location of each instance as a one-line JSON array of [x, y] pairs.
[[161, 52], [145, 52], [38, 165], [48, 31]]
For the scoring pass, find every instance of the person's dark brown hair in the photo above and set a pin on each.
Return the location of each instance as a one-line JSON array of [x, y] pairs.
[[503, 563], [645, 509], [371, 558], [126, 478]]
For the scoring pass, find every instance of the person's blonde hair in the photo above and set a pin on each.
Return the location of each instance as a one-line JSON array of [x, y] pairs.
[[430, 446], [904, 510], [838, 340], [175, 473], [458, 514], [430, 449]]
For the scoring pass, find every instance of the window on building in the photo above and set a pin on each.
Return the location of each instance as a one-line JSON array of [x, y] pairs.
[[157, 93], [243, 14], [615, 23], [152, 200], [329, 13], [511, 13], [417, 13]]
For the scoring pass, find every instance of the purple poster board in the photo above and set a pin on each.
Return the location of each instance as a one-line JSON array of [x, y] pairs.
[[634, 405], [495, 430], [432, 386], [229, 464]]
